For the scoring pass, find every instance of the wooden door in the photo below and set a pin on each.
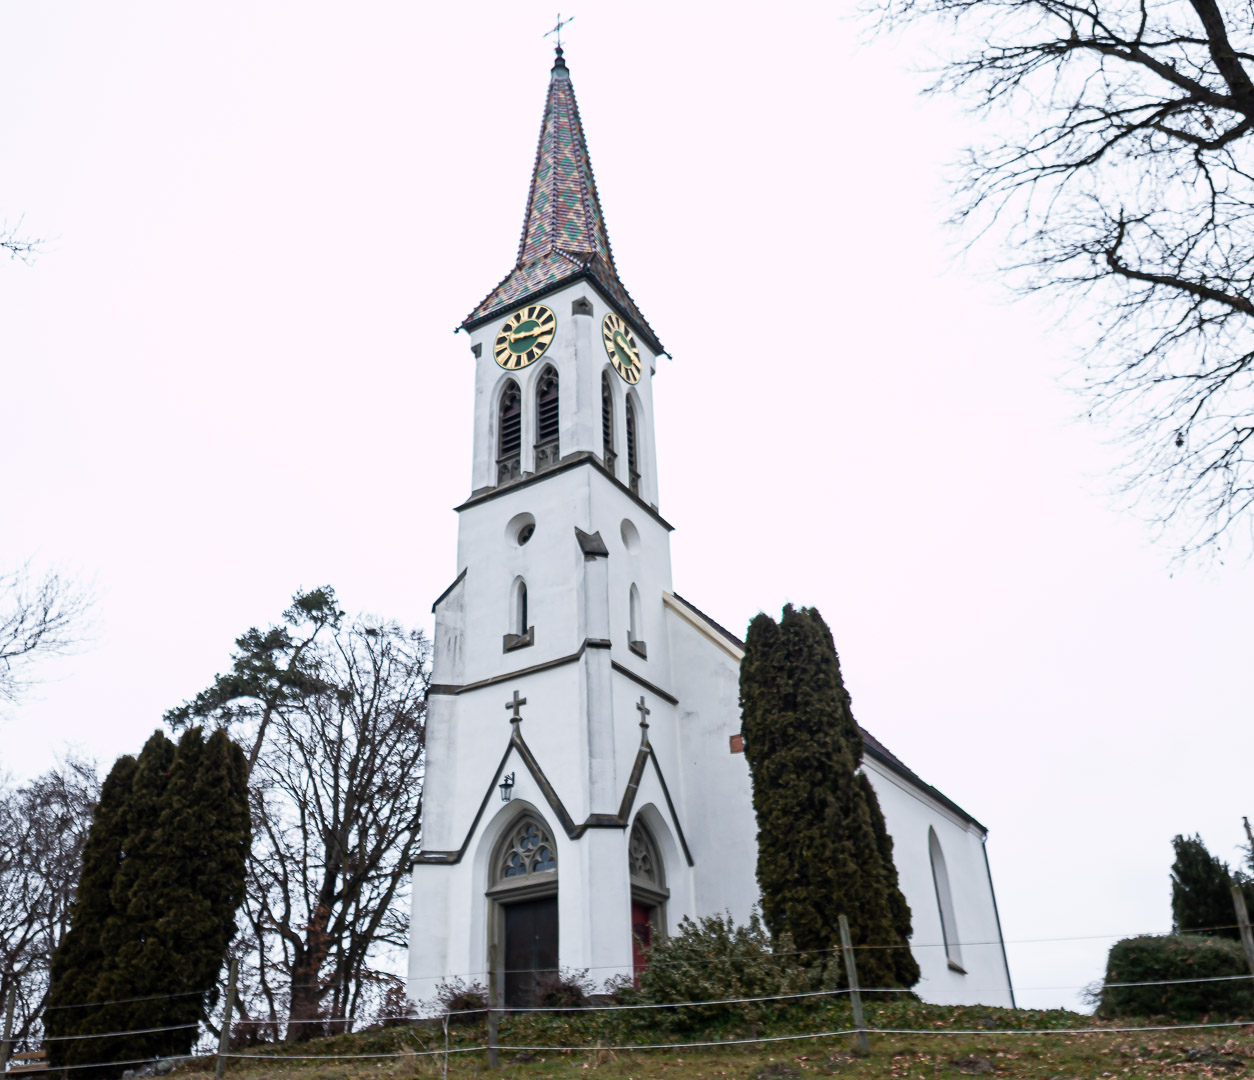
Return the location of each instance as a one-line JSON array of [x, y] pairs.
[[641, 935], [530, 950]]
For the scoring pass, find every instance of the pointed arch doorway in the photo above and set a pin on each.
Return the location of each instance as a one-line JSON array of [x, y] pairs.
[[523, 896], [648, 894]]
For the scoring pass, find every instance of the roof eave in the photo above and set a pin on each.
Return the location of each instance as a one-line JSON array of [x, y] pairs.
[[642, 329]]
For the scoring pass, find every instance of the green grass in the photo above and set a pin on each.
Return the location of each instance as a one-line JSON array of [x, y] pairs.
[[1097, 1052]]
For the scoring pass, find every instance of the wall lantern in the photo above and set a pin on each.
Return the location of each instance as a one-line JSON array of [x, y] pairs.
[[507, 786]]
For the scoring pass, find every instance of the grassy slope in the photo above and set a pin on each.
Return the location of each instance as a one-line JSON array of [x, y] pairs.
[[1097, 1053]]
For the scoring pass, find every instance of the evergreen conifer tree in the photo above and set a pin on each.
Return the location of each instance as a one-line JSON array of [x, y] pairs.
[[172, 894], [1201, 890], [823, 849]]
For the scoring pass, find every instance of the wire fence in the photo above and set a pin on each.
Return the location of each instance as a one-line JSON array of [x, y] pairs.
[[495, 1012]]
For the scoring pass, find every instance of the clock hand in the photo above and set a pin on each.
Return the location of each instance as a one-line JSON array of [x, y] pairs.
[[526, 333]]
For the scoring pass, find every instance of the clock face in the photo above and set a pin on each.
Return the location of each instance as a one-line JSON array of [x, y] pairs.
[[621, 345], [524, 337]]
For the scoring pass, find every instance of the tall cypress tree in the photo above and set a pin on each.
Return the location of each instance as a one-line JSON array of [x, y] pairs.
[[823, 849], [81, 957], [1201, 890], [153, 921]]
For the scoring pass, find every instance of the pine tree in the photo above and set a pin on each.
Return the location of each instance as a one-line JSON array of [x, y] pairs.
[[823, 849], [150, 938]]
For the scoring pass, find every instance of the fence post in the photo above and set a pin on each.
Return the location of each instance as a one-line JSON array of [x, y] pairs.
[[493, 1015], [1243, 921], [446, 1042], [7, 1045], [851, 970], [224, 1039]]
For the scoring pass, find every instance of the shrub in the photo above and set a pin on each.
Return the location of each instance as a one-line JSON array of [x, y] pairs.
[[566, 989], [457, 996], [1179, 956], [713, 959], [395, 1010]]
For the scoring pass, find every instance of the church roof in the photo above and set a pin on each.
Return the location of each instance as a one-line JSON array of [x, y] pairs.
[[564, 237]]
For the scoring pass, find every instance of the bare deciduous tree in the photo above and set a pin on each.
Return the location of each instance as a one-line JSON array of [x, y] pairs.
[[43, 826], [39, 616], [1121, 170], [336, 709]]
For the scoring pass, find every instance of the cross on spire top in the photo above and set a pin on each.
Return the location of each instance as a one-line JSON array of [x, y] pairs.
[[558, 30], [644, 711], [516, 705]]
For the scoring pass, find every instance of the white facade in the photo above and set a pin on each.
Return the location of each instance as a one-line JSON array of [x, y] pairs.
[[584, 768]]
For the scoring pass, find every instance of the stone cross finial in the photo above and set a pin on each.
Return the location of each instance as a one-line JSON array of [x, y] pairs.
[[644, 711], [516, 705]]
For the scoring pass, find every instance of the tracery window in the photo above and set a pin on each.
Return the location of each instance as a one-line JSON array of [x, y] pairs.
[[527, 851], [548, 417], [646, 867], [509, 434], [633, 451]]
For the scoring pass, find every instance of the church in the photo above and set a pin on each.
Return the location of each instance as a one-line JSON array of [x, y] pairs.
[[586, 785]]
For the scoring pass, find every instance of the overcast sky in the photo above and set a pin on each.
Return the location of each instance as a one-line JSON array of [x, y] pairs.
[[233, 373]]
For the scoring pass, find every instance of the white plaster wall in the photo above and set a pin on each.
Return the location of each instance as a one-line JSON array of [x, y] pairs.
[[716, 788], [908, 814]]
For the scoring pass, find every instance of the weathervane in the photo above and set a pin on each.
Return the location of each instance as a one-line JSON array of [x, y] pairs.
[[558, 28]]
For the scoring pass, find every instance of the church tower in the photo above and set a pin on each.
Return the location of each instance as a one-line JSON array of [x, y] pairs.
[[548, 830], [585, 785]]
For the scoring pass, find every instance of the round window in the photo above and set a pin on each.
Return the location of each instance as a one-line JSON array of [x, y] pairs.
[[520, 529]]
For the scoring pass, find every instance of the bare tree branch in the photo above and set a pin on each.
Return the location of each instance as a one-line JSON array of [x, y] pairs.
[[39, 616], [1121, 172]]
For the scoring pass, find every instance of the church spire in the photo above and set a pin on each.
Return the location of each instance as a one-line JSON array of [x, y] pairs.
[[564, 236]]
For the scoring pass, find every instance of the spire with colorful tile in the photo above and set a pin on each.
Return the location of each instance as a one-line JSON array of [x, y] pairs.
[[564, 237]]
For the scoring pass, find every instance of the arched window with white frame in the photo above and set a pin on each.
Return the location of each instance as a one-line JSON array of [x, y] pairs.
[[633, 446], [635, 623], [509, 433], [548, 419], [521, 632], [607, 421], [945, 902]]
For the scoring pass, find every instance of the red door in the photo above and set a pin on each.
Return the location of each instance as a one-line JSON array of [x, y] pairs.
[[641, 936]]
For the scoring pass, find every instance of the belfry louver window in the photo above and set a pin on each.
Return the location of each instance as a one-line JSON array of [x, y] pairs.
[[633, 460], [547, 420], [509, 434], [607, 421]]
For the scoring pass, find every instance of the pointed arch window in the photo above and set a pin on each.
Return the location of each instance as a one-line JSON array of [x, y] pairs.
[[633, 447], [944, 902], [548, 420], [607, 421], [509, 434]]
